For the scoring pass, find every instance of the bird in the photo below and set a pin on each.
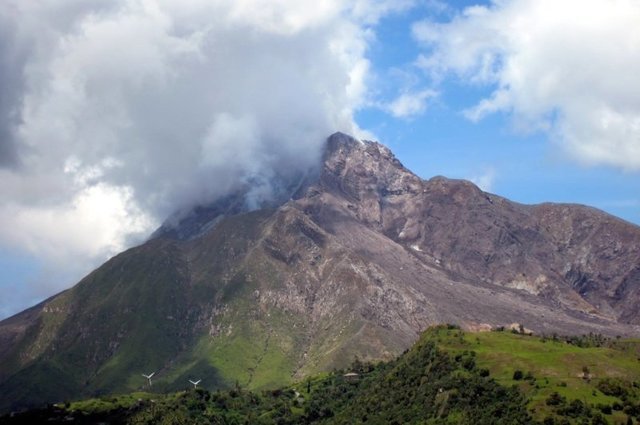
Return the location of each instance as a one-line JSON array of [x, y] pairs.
[[195, 384]]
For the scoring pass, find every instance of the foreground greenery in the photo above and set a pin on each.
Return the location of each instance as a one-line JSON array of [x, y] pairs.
[[448, 377]]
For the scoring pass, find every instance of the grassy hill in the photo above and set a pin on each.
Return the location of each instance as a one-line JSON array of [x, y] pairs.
[[448, 377], [577, 368]]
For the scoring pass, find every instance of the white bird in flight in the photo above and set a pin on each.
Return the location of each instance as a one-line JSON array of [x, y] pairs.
[[195, 384]]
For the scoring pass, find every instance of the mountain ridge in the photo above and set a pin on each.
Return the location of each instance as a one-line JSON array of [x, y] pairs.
[[355, 259]]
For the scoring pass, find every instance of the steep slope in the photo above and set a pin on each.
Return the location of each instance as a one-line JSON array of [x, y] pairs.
[[572, 254], [354, 260]]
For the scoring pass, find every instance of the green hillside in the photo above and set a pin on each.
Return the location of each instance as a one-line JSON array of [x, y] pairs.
[[448, 377], [593, 370]]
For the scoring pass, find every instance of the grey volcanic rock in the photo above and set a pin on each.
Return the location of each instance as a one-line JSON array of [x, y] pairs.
[[355, 259], [570, 255], [464, 235]]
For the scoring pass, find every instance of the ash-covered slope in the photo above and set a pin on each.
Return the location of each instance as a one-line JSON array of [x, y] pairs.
[[355, 260], [577, 256]]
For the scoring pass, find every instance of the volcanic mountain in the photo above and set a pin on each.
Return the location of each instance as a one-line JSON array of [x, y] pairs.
[[354, 260]]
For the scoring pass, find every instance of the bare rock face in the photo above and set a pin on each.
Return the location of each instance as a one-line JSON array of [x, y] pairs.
[[354, 260], [570, 255]]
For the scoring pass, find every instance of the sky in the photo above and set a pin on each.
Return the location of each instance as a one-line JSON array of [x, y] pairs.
[[114, 114]]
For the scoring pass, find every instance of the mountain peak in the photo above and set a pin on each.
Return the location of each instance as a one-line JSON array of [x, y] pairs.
[[362, 169], [363, 157], [352, 260], [341, 143]]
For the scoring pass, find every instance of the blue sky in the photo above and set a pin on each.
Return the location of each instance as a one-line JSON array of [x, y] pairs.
[[533, 100], [526, 167]]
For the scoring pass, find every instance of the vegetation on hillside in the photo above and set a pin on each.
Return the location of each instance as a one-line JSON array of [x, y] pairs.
[[448, 377]]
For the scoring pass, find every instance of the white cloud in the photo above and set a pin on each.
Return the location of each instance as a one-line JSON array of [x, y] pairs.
[[102, 213], [410, 104], [569, 68], [116, 113], [484, 179]]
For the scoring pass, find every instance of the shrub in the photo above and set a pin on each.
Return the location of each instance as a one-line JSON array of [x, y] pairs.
[[555, 399], [575, 409], [613, 387], [469, 363], [598, 419]]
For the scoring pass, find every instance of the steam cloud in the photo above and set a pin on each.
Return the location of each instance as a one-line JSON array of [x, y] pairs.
[[114, 114]]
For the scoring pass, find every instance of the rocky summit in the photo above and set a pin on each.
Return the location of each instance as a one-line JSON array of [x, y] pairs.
[[353, 260]]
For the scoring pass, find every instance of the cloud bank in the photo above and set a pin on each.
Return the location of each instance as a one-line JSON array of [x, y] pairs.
[[410, 104], [568, 68], [114, 114]]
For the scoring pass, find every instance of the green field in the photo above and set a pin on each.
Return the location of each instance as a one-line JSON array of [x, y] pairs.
[[556, 365]]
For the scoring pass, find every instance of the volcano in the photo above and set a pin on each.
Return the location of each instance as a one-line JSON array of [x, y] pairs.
[[352, 260]]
